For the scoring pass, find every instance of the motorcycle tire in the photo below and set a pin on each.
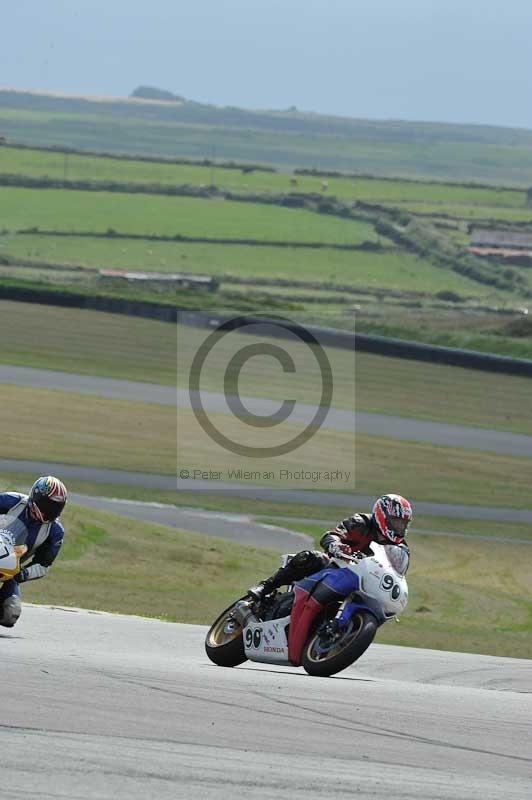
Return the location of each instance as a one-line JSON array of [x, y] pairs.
[[327, 660], [224, 642]]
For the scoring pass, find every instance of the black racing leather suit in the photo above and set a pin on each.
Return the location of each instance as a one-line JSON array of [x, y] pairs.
[[353, 535]]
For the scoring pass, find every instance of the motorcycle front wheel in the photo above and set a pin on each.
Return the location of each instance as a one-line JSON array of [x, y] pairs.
[[325, 654], [224, 643]]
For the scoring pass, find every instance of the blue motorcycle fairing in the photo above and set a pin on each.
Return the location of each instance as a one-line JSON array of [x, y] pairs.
[[342, 581], [350, 608]]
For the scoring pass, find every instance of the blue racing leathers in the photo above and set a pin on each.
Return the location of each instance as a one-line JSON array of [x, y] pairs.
[[43, 539]]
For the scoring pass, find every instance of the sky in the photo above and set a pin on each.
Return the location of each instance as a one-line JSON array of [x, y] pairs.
[[466, 61]]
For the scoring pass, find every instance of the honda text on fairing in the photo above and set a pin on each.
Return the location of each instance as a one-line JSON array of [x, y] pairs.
[[293, 628]]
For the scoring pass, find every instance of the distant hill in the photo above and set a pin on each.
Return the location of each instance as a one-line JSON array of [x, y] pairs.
[[286, 139], [152, 93]]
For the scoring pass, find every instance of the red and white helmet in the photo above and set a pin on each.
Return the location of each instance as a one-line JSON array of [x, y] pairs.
[[392, 514], [47, 498]]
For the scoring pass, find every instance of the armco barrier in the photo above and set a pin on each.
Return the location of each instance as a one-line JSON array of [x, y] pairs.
[[381, 345], [397, 348], [115, 305]]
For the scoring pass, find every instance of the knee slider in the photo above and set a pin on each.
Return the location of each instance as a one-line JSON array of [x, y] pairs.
[[11, 611], [302, 559], [308, 561]]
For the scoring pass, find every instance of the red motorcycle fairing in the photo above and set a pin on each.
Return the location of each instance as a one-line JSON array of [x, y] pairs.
[[311, 595], [304, 612]]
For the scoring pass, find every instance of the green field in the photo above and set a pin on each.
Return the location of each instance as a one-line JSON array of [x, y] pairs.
[[171, 216], [471, 212], [386, 270], [389, 192], [392, 290], [461, 202], [107, 564], [286, 139]]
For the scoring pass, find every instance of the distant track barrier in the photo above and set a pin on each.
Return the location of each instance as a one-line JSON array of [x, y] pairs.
[[332, 337], [380, 345], [115, 305]]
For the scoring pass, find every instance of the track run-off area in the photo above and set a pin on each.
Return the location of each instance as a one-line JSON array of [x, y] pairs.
[[99, 706], [408, 429], [102, 706], [388, 425]]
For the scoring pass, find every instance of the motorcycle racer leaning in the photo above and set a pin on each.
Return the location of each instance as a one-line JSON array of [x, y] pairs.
[[387, 524], [32, 520]]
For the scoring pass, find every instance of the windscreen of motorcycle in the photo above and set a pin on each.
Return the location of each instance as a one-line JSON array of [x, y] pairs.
[[398, 558]]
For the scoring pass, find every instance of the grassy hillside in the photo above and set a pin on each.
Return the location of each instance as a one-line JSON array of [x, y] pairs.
[[403, 270], [75, 166], [288, 139], [393, 268]]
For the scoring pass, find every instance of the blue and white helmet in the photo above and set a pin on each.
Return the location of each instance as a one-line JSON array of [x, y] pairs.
[[47, 498]]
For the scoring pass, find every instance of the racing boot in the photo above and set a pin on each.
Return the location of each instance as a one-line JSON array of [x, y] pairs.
[[268, 585], [302, 564]]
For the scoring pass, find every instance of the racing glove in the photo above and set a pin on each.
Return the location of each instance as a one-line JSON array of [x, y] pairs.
[[339, 550]]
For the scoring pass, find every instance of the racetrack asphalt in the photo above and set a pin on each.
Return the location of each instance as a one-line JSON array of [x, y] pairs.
[[463, 436], [235, 527], [243, 528], [98, 706], [390, 426], [272, 494]]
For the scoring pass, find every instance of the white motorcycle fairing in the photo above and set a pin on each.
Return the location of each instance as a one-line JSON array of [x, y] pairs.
[[382, 584], [383, 591], [267, 641]]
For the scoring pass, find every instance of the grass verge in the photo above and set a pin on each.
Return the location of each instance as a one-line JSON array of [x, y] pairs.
[[115, 345], [81, 429], [382, 384], [88, 342], [128, 435], [111, 563], [291, 515], [428, 472]]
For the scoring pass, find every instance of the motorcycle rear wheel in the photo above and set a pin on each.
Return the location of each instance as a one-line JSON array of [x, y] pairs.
[[224, 642], [324, 658]]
